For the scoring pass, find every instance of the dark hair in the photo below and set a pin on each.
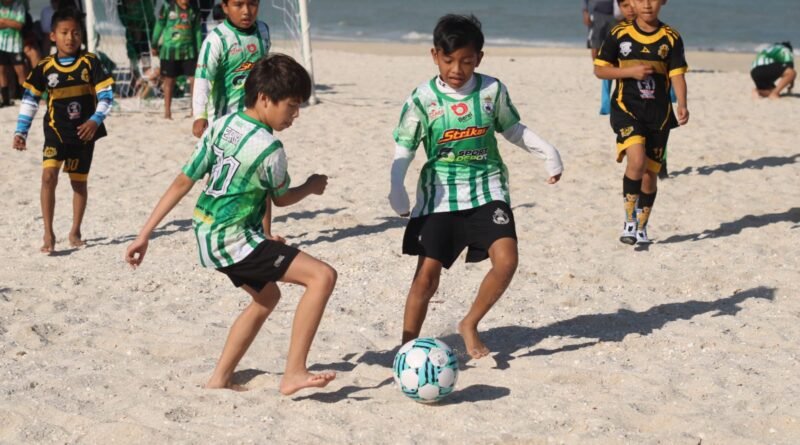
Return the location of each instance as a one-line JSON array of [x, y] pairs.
[[788, 44], [454, 32], [278, 77], [217, 13], [64, 14]]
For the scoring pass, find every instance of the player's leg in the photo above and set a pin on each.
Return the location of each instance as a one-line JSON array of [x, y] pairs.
[[21, 72], [632, 189], [242, 333], [190, 80], [787, 78], [169, 86], [504, 257], [655, 148], [423, 286], [78, 164], [4, 91], [319, 280], [48, 201]]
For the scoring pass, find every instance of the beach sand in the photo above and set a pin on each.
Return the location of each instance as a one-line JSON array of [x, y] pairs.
[[692, 341]]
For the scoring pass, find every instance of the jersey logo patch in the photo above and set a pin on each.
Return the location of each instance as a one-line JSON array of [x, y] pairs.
[[172, 15], [52, 80], [50, 152], [647, 88], [235, 49], [488, 105], [625, 48], [455, 134], [663, 51], [85, 75], [645, 50], [74, 110], [231, 136], [252, 47], [625, 132], [500, 217], [247, 66], [460, 109], [434, 111]]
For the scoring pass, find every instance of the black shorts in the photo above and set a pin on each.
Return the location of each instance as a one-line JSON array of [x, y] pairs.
[[175, 68], [442, 236], [765, 75], [265, 264], [7, 58], [76, 158], [631, 132]]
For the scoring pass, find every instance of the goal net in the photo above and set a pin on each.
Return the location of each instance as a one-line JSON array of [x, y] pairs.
[[120, 32]]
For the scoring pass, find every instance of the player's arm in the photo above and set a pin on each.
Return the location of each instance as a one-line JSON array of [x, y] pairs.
[[11, 23], [677, 67], [679, 84], [179, 188], [27, 111], [611, 72], [207, 65], [526, 139], [314, 185], [159, 29], [407, 136]]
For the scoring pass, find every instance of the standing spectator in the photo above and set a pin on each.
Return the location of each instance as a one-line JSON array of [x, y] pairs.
[[12, 17], [598, 16]]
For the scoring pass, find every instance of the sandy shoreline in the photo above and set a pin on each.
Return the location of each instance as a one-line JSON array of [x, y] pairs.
[[692, 341]]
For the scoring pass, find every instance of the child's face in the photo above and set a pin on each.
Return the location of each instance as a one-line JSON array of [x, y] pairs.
[[242, 13], [647, 10], [279, 115], [67, 37], [627, 10], [183, 4], [456, 68]]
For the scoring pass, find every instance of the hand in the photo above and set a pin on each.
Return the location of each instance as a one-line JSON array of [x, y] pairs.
[[276, 238], [641, 72], [398, 200], [19, 143], [553, 179], [154, 51], [87, 130], [683, 115], [135, 253], [199, 126], [587, 19], [317, 183]]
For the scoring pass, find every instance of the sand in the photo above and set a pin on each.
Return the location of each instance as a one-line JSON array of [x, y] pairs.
[[692, 341]]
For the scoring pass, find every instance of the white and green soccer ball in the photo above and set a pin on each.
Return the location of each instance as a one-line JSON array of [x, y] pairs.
[[426, 370]]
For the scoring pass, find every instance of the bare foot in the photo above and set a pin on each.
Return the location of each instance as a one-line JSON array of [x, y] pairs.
[[49, 245], [774, 96], [291, 383], [231, 386], [168, 116], [475, 347], [75, 240]]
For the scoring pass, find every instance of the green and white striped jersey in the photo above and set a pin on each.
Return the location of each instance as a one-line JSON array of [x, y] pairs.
[[464, 169], [10, 38], [226, 58], [776, 53], [245, 162], [180, 29]]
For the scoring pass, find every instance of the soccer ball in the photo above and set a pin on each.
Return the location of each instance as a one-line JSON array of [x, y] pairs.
[[426, 369]]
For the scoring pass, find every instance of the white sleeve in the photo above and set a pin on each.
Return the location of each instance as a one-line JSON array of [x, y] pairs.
[[524, 138], [398, 197], [200, 91]]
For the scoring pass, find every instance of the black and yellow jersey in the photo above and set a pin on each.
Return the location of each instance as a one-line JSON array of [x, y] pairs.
[[71, 94], [646, 100]]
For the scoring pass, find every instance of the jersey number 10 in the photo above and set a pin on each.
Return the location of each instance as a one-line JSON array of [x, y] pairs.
[[221, 174]]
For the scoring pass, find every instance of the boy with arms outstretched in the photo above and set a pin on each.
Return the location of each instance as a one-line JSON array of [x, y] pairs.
[[179, 25], [245, 162], [463, 194], [646, 57], [79, 98]]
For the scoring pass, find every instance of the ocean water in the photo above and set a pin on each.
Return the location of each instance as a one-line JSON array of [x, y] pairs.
[[719, 25]]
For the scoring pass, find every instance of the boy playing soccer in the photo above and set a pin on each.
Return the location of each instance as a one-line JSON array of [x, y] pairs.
[[245, 162], [646, 57], [463, 193], [227, 55], [79, 98], [180, 26], [12, 18]]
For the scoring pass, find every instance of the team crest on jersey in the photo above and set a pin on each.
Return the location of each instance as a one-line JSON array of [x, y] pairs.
[[500, 217], [52, 80], [231, 136], [172, 15], [460, 109], [85, 75], [625, 48], [625, 132], [663, 51], [74, 110], [434, 111], [50, 151], [488, 105]]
